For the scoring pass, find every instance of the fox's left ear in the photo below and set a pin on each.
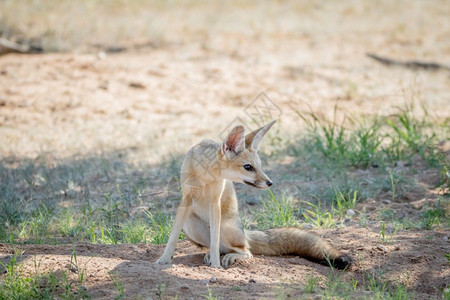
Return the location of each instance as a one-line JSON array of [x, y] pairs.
[[253, 139], [235, 142]]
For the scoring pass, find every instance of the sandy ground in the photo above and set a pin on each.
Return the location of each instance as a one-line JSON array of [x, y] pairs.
[[416, 259], [162, 99], [195, 86]]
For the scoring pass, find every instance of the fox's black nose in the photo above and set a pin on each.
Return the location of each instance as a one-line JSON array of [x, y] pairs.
[[269, 183]]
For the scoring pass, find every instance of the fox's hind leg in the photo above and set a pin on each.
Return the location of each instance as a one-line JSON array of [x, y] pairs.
[[233, 243]]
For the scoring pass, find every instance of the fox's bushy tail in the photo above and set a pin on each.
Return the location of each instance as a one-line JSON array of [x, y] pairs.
[[294, 241]]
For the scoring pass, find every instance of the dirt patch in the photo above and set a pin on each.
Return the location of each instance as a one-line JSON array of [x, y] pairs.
[[414, 258]]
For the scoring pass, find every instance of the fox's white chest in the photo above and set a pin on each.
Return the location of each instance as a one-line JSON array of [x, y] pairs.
[[201, 204]]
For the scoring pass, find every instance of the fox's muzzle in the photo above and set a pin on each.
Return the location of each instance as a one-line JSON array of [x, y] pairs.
[[259, 184]]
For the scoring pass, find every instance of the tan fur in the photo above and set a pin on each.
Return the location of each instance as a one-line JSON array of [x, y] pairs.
[[208, 212], [284, 241]]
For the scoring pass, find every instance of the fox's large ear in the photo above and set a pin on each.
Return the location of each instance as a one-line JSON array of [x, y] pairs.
[[253, 139], [235, 141]]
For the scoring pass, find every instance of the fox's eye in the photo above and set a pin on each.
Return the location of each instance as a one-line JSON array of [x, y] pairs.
[[248, 167]]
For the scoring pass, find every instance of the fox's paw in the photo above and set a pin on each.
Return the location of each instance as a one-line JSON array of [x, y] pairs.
[[208, 261], [164, 261], [216, 265], [230, 258]]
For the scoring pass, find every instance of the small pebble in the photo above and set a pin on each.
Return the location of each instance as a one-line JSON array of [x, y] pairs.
[[386, 201], [350, 212], [251, 280], [212, 279], [382, 248], [346, 220], [101, 55], [445, 238], [204, 281], [417, 259], [136, 85], [103, 86], [184, 286], [307, 226], [397, 248]]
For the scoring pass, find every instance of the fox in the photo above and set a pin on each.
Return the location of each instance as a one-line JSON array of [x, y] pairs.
[[208, 211]]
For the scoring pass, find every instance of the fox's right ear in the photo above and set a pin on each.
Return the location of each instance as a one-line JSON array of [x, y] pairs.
[[253, 139], [235, 142]]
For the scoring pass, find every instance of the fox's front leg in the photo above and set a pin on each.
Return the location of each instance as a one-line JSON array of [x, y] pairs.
[[180, 218], [214, 221], [215, 215]]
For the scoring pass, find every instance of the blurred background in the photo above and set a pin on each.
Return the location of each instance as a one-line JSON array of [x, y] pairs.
[[122, 73]]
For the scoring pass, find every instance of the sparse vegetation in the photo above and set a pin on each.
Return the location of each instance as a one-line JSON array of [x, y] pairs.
[[118, 284], [311, 283], [318, 216], [277, 212], [387, 235], [210, 295], [334, 286], [344, 201], [372, 144], [434, 217], [91, 143], [17, 285]]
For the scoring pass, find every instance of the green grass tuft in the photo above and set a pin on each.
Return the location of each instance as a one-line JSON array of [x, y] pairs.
[[344, 201], [276, 212], [317, 216]]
